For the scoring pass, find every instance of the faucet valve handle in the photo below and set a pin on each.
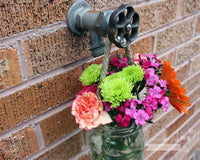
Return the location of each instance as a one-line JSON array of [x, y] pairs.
[[123, 26]]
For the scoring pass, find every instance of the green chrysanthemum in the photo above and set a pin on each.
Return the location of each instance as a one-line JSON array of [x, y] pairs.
[[91, 74], [133, 73], [116, 90]]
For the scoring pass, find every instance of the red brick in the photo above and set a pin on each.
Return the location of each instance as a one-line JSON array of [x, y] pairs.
[[143, 46], [174, 35], [182, 72], [189, 125], [10, 74], [19, 16], [195, 95], [65, 150], [61, 123], [174, 126], [170, 154], [164, 147], [156, 14], [56, 49], [191, 83], [85, 157], [194, 65], [190, 6], [151, 15], [156, 155], [94, 61], [188, 51], [198, 25], [154, 128], [31, 101], [169, 57], [192, 150], [19, 145]]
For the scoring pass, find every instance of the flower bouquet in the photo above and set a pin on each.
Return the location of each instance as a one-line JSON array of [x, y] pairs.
[[116, 108]]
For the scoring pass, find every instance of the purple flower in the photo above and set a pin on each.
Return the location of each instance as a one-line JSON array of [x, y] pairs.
[[140, 117]]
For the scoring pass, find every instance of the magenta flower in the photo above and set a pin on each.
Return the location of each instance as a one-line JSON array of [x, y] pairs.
[[146, 64], [121, 65], [124, 59], [141, 117], [132, 111], [115, 61], [148, 109], [107, 106], [123, 121], [122, 108]]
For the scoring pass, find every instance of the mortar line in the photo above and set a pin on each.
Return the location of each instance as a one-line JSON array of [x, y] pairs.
[[39, 78], [166, 26], [55, 144], [44, 76], [171, 122], [33, 33], [22, 61], [178, 141], [39, 135], [36, 119], [86, 151], [168, 138], [195, 27]]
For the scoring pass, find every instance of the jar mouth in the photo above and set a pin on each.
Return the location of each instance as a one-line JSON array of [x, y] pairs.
[[112, 131]]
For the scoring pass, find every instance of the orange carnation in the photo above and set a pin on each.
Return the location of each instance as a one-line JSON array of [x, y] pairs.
[[177, 96], [88, 111]]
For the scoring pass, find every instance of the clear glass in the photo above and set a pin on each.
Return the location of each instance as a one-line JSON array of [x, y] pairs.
[[117, 143]]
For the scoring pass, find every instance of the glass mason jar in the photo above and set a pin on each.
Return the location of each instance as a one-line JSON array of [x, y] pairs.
[[117, 143]]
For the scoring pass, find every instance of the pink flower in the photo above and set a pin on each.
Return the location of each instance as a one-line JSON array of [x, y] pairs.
[[123, 121], [137, 58], [165, 102], [152, 80], [163, 84], [152, 102], [88, 111], [140, 117], [155, 92]]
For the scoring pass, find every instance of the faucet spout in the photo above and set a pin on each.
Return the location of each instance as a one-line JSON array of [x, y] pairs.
[[97, 43]]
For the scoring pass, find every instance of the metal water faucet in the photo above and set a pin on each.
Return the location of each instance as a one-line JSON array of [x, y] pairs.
[[120, 26]]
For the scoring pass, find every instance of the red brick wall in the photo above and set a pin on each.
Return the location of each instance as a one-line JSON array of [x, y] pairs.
[[41, 61]]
